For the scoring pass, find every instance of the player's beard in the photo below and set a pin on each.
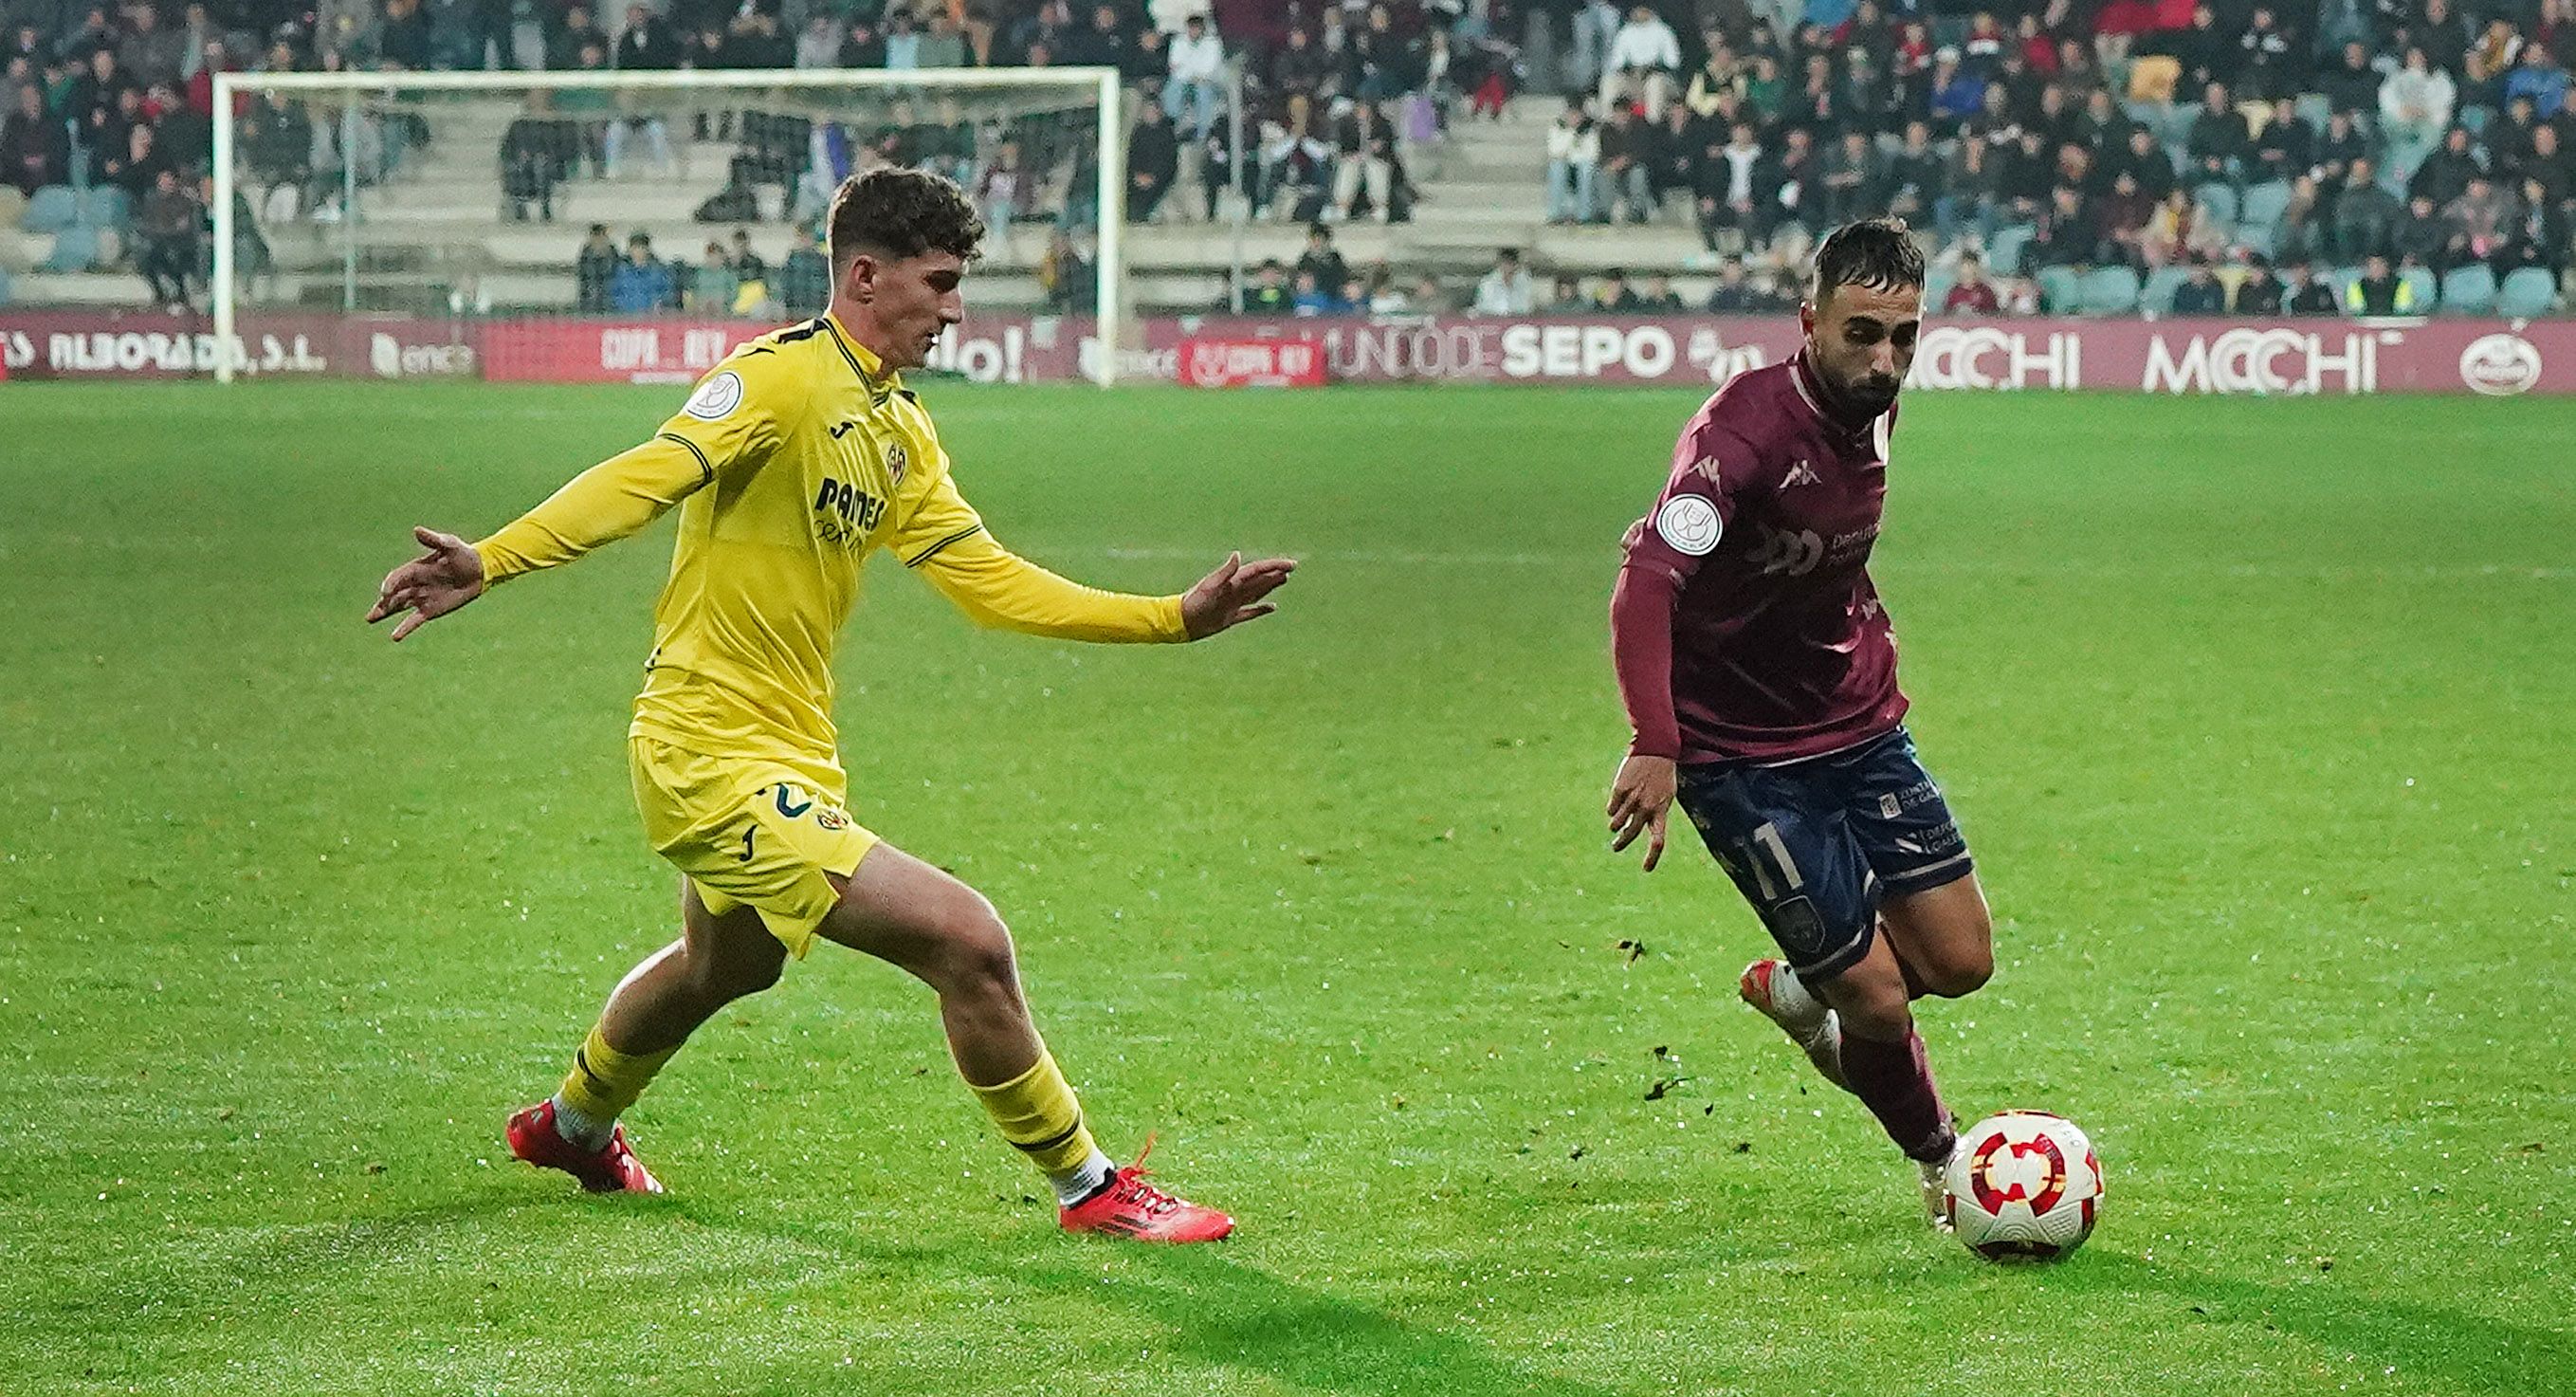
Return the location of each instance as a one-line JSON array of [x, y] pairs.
[[1864, 398]]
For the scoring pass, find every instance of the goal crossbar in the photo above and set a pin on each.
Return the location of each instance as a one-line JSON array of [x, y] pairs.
[[1101, 83]]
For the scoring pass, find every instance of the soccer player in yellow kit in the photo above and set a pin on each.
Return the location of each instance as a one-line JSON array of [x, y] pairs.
[[797, 457]]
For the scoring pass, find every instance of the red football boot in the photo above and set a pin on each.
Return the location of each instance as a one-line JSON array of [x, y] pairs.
[[1131, 1207], [611, 1169]]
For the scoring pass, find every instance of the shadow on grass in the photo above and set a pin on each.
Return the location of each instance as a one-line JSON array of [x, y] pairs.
[[1216, 1307], [2472, 1349]]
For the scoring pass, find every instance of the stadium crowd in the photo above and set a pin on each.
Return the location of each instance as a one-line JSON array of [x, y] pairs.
[[2076, 154]]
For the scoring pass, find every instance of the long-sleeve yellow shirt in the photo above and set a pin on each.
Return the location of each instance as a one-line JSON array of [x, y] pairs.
[[791, 462]]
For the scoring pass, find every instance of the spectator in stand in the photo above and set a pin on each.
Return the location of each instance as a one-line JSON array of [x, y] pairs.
[[1596, 29], [1727, 185], [2199, 293], [2301, 232], [1626, 168], [2478, 224], [2286, 146], [1734, 293], [2259, 294], [1308, 298], [2351, 84], [1269, 293], [1971, 294], [1644, 60], [2366, 215], [642, 284], [2415, 103], [168, 223], [1614, 295], [1677, 147], [805, 278], [2303, 294], [2180, 232], [712, 284], [2538, 235], [1573, 165], [646, 44], [1368, 175], [2540, 79], [1507, 289], [2419, 238], [35, 150], [592, 271], [2124, 214], [1793, 195], [2265, 66], [2218, 143], [2445, 174], [1153, 162], [1913, 177], [2337, 147], [1195, 90], [1323, 260], [2379, 291], [1851, 181], [1658, 296], [2068, 235], [1566, 297]]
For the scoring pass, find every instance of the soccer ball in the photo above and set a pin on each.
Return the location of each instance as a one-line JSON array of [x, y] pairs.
[[2023, 1184]]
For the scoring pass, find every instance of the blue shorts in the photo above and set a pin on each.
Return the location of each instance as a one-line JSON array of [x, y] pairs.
[[1814, 844]]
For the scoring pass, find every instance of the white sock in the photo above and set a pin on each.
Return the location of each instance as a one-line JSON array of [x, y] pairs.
[[586, 1131], [1082, 1180], [1791, 998]]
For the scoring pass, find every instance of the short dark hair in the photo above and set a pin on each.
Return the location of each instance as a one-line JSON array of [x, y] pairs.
[[1875, 252], [899, 213]]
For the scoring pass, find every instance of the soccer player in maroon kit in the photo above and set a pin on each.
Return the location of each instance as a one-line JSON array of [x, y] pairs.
[[1759, 674]]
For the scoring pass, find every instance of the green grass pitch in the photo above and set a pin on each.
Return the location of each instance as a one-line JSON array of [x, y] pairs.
[[2257, 713]]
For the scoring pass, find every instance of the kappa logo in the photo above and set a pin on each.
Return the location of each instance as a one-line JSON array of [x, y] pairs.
[[1801, 473], [1786, 551]]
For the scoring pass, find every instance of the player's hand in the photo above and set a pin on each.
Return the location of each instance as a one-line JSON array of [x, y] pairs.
[[1233, 594], [437, 582], [1641, 801]]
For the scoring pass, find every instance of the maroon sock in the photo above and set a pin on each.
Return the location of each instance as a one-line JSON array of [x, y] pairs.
[[1895, 1083]]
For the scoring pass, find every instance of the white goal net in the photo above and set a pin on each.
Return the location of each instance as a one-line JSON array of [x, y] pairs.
[[591, 225]]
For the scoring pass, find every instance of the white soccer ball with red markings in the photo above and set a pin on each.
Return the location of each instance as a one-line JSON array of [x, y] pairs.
[[2024, 1185]]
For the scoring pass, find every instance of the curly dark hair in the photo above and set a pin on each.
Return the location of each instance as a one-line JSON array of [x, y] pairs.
[[897, 213], [1875, 252]]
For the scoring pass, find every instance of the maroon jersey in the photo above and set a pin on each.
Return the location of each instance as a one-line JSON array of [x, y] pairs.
[[1745, 624]]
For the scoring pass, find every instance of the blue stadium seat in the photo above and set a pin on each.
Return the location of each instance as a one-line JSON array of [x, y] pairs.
[[2314, 108], [2265, 202], [2157, 294], [1936, 288], [2476, 118], [2061, 292], [2527, 293], [4, 286], [2260, 238], [52, 209], [2111, 291], [107, 206], [2003, 251], [75, 249], [2426, 287], [2340, 278], [2220, 200], [2469, 290]]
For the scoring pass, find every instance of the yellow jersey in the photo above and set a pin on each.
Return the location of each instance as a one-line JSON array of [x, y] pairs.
[[791, 462]]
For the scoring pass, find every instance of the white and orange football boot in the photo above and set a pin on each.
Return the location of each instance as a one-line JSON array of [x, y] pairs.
[[1814, 1029]]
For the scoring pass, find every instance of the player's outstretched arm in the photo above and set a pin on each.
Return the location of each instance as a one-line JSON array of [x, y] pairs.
[[437, 582], [1233, 594]]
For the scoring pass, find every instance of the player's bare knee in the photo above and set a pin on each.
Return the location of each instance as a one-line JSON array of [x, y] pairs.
[[1961, 975], [976, 956]]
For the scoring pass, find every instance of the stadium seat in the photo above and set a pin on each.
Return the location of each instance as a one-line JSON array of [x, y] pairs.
[[1936, 288], [2258, 238], [2476, 118], [2426, 287], [2157, 295], [2061, 292], [2111, 291], [2469, 290], [13, 206], [53, 209], [4, 287], [2220, 200], [2265, 202], [75, 250], [2003, 251], [2314, 108], [2527, 293], [106, 206]]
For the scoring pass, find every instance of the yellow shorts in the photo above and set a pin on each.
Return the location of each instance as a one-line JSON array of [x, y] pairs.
[[750, 831]]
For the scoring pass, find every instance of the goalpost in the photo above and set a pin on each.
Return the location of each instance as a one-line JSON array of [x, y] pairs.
[[426, 196]]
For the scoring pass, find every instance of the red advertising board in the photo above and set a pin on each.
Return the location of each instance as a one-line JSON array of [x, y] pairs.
[[1209, 362], [2276, 357]]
